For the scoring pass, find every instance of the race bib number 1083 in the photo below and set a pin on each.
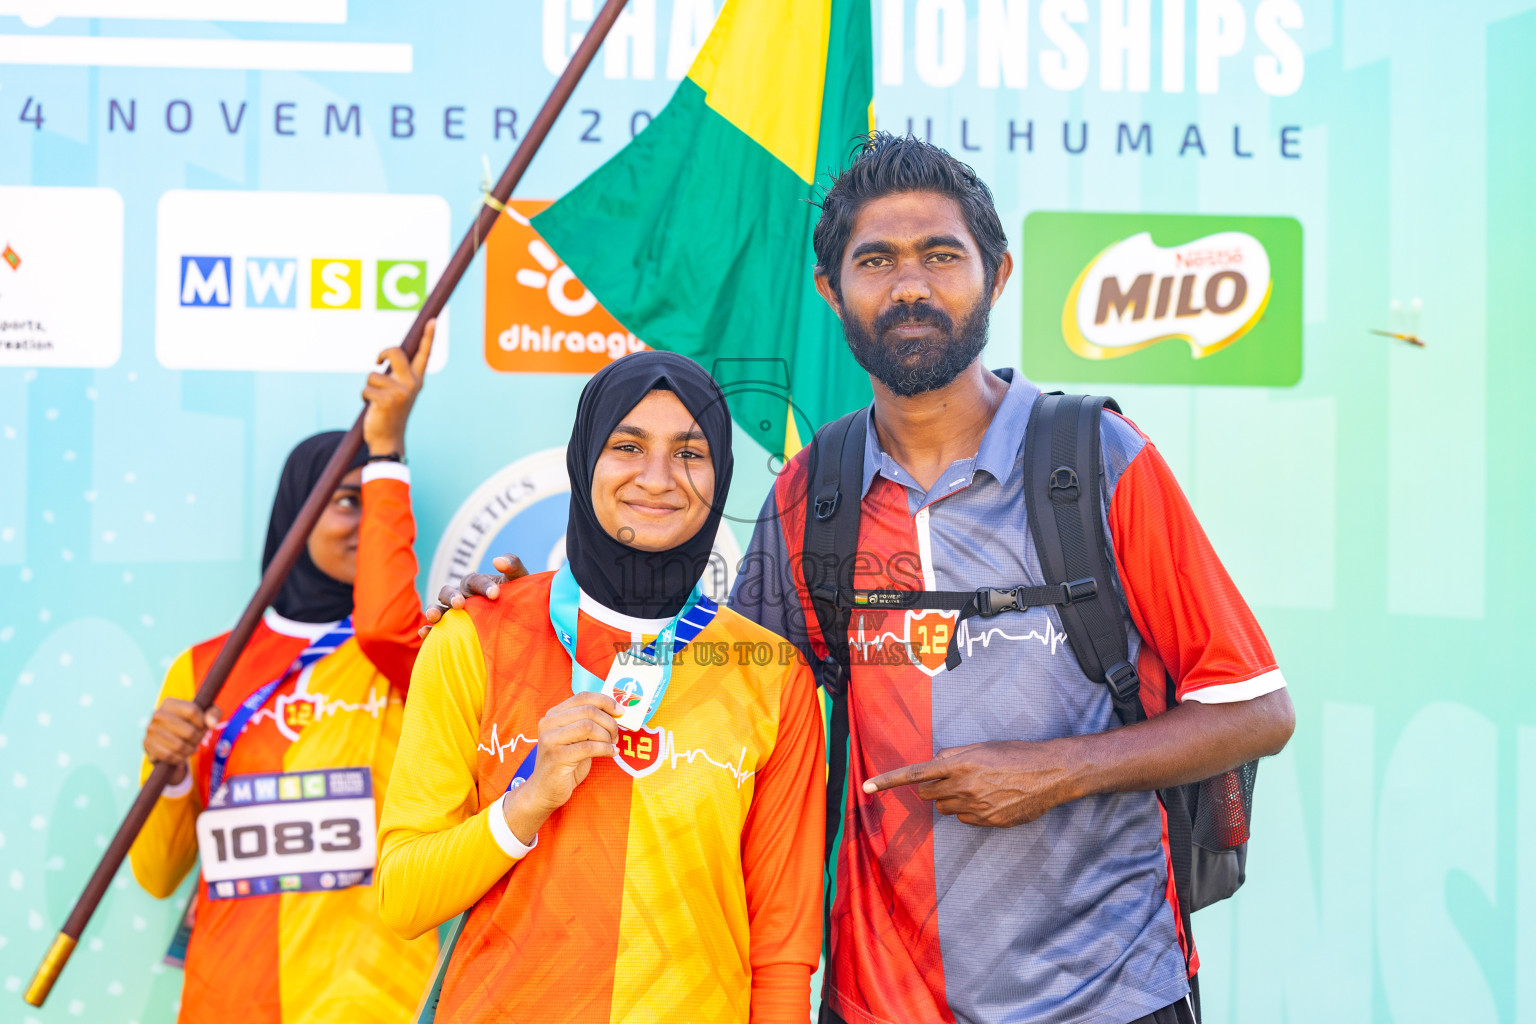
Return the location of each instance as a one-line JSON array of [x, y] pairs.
[[288, 832]]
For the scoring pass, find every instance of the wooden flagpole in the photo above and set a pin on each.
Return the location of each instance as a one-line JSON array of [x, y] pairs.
[[298, 535]]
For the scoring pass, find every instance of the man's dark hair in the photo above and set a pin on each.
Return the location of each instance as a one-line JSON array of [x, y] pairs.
[[887, 165]]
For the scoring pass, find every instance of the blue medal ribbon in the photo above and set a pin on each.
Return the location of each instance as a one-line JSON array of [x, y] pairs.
[[233, 729], [564, 604]]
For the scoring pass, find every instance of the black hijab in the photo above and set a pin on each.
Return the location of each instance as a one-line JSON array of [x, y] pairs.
[[308, 595], [645, 584]]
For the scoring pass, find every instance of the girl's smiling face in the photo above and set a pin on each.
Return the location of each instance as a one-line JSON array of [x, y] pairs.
[[654, 481]]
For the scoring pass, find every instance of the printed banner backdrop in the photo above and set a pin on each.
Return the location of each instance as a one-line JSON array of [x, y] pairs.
[[208, 228]]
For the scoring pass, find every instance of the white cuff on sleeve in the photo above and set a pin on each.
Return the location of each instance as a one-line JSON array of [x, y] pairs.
[[1231, 693], [387, 471], [508, 842], [179, 790]]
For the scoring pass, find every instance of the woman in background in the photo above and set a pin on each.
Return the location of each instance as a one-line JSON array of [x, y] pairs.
[[277, 783]]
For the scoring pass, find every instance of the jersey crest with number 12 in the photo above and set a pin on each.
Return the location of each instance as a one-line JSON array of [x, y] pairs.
[[929, 634], [295, 712], [640, 750]]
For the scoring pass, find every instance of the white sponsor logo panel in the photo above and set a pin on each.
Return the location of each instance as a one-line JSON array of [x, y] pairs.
[[294, 281], [61, 276]]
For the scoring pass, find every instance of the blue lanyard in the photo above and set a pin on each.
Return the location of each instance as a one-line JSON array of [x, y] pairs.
[[564, 602], [235, 727]]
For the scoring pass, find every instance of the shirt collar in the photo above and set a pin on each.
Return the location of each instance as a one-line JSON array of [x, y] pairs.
[[310, 631], [1000, 445], [618, 620]]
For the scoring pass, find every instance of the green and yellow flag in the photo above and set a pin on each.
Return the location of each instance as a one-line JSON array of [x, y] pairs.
[[697, 235]]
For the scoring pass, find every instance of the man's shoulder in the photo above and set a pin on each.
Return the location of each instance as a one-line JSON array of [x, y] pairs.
[[1121, 441], [791, 481], [781, 520], [789, 485]]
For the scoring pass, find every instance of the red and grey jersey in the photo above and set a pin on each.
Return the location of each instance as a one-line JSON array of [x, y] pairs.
[[1066, 919]]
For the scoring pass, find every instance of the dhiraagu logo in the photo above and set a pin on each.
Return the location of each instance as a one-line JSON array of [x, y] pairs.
[[1160, 299]]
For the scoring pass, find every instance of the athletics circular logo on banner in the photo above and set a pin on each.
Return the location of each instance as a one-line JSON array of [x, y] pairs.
[[522, 510]]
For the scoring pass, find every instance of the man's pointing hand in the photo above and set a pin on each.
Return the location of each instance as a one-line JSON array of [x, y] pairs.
[[998, 784]]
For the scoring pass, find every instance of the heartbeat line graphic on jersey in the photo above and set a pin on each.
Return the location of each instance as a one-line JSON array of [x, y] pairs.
[[501, 750], [293, 712], [864, 641], [859, 642], [967, 641], [666, 752], [669, 752]]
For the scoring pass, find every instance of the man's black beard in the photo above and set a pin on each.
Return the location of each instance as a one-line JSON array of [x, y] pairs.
[[919, 365]]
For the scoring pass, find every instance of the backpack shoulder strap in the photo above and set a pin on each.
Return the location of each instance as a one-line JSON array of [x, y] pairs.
[[1065, 506], [834, 478], [834, 473], [1062, 463]]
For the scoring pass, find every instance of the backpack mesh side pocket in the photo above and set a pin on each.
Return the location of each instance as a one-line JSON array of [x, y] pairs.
[[1224, 808]]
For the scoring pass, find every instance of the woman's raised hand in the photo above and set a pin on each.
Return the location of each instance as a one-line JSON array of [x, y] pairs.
[[390, 396]]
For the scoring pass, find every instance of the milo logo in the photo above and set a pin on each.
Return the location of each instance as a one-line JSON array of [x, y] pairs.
[[1136, 293], [1161, 299]]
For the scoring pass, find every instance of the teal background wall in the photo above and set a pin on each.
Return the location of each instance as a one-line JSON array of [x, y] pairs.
[[1376, 514]]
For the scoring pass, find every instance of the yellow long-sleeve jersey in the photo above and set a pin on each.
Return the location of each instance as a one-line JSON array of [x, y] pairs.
[[682, 880]]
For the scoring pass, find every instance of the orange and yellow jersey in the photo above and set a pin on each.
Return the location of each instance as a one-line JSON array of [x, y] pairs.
[[310, 957], [682, 880]]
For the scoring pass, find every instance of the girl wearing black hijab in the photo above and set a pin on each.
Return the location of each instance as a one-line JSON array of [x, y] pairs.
[[620, 781], [277, 784]]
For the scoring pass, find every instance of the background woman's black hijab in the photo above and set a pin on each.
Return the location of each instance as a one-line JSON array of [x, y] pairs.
[[308, 595], [645, 584]]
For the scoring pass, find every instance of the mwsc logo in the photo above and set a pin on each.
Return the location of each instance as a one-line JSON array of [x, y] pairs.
[[1162, 299], [273, 283], [292, 280]]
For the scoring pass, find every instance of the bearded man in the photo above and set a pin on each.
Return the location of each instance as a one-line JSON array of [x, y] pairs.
[[1004, 854]]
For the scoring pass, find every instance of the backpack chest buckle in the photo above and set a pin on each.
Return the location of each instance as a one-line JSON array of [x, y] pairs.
[[990, 601]]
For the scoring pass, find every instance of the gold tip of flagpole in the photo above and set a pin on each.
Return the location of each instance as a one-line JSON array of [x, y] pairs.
[[48, 970]]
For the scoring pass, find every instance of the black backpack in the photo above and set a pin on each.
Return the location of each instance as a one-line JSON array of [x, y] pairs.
[[1207, 821]]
